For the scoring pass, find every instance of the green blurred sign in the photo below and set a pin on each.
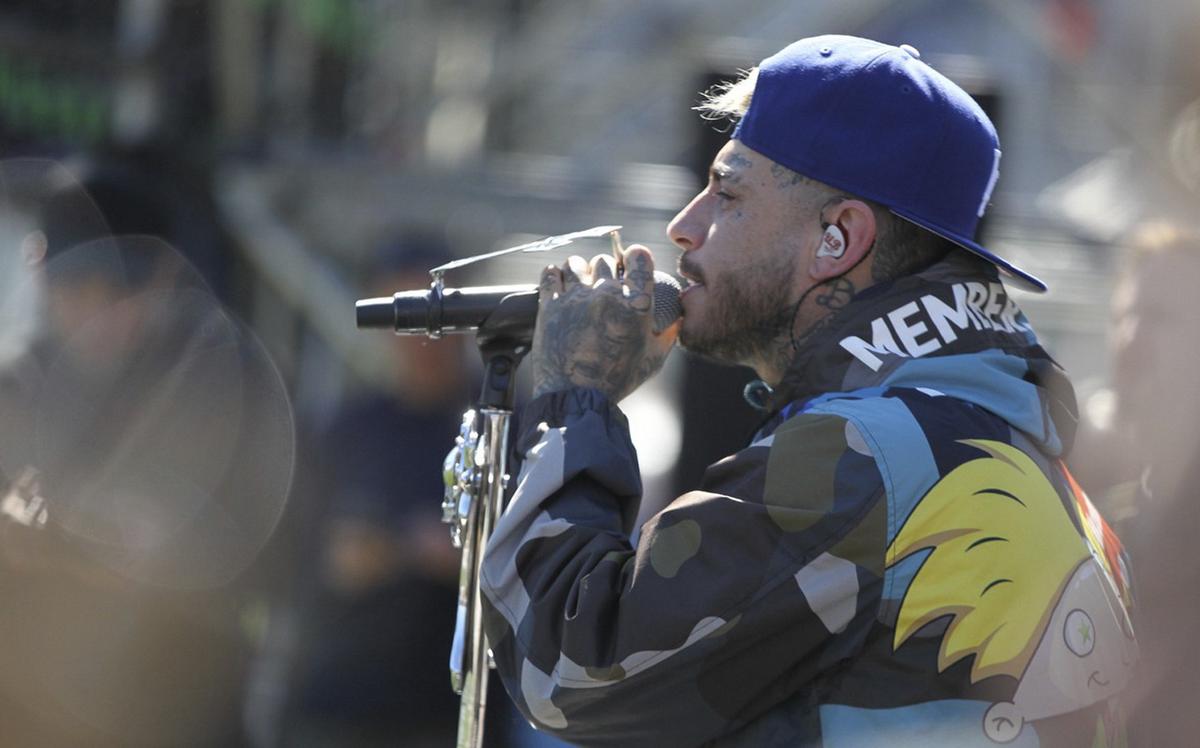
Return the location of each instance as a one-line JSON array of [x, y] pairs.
[[45, 104]]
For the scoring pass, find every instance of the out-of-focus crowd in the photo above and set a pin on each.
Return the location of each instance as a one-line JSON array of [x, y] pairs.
[[185, 561]]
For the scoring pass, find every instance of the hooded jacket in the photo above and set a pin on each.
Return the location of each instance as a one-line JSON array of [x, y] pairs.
[[899, 557]]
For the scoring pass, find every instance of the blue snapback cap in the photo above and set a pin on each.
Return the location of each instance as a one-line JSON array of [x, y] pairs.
[[876, 121]]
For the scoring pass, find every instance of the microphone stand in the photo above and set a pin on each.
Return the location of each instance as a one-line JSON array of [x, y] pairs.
[[476, 478]]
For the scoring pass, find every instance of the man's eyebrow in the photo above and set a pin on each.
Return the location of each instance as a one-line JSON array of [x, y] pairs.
[[724, 173], [730, 168]]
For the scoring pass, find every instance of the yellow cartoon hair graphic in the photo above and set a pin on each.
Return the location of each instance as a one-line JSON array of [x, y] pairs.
[[1003, 550]]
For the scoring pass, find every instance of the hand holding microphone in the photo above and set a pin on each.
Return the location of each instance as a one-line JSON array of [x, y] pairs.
[[596, 325]]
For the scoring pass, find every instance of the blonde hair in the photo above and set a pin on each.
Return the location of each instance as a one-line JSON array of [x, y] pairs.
[[729, 99]]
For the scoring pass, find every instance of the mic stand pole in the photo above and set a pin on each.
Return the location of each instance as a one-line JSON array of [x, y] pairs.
[[475, 474]]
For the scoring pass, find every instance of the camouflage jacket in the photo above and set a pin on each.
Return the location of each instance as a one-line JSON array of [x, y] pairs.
[[900, 557]]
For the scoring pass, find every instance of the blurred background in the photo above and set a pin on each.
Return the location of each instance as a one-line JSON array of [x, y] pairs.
[[274, 160]]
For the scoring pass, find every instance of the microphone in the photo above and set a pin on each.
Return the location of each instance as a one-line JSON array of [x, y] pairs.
[[437, 311]]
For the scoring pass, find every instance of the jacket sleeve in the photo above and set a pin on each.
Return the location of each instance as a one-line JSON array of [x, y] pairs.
[[736, 597]]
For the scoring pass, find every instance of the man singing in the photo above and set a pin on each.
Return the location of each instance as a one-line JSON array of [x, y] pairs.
[[900, 556]]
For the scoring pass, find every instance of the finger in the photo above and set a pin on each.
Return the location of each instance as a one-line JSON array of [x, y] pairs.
[[603, 267], [639, 277], [574, 270], [550, 284]]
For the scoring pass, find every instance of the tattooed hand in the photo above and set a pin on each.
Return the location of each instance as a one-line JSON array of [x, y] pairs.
[[596, 330]]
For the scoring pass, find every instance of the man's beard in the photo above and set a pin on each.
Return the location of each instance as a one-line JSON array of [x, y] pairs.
[[747, 318]]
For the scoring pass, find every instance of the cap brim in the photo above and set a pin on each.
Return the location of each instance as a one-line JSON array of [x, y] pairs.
[[1019, 278]]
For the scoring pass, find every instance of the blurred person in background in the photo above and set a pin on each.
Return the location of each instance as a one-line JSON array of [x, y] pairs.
[[900, 556], [1146, 468], [159, 438], [375, 608]]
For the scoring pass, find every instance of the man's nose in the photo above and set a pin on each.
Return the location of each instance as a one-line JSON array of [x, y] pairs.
[[689, 227]]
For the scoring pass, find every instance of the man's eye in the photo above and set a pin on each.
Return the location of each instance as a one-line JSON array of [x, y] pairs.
[[724, 195]]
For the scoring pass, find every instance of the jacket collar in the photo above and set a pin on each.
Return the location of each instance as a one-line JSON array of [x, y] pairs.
[[955, 306]]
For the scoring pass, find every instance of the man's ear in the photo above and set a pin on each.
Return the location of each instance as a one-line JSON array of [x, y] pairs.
[[847, 235]]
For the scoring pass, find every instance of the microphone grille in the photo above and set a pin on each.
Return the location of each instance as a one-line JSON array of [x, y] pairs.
[[667, 306]]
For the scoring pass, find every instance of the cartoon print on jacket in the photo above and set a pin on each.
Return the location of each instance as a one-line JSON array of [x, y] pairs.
[[1026, 594]]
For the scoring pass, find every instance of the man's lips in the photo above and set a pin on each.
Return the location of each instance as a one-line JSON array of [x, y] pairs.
[[690, 286], [691, 275]]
